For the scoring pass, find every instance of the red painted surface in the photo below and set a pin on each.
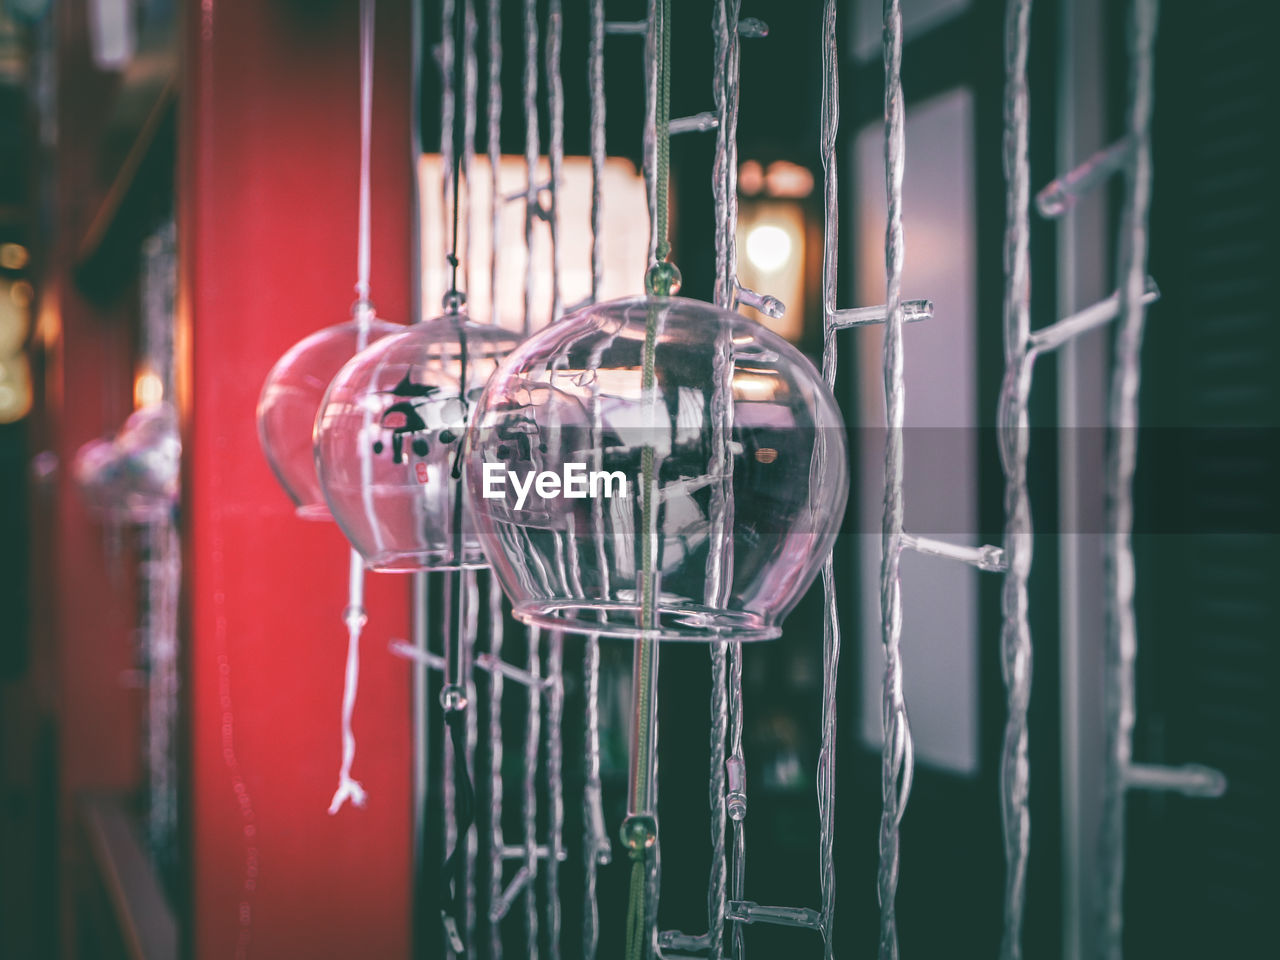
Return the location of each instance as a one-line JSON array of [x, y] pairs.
[[267, 227]]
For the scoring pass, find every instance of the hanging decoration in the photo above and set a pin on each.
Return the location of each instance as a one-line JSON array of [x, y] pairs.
[[644, 469], [388, 436], [389, 432], [626, 402], [291, 396], [294, 388], [133, 476]]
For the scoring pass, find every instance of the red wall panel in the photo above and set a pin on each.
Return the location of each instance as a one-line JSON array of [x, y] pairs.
[[267, 219]]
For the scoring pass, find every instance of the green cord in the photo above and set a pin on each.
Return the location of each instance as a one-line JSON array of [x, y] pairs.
[[662, 280], [663, 123]]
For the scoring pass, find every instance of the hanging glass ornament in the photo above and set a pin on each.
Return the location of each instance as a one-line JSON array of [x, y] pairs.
[[291, 397], [746, 453], [387, 440], [133, 477]]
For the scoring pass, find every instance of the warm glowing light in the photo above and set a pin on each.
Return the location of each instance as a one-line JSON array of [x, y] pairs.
[[784, 179], [751, 177], [15, 389], [768, 247], [13, 256], [148, 390], [771, 236], [755, 387]]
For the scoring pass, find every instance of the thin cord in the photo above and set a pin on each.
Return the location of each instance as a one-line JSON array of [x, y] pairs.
[[453, 871], [363, 243], [454, 299], [664, 131], [660, 279], [354, 615]]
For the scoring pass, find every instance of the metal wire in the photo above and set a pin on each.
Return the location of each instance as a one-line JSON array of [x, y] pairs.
[[826, 779], [555, 768], [529, 793], [716, 797], [595, 79], [555, 655], [531, 151], [897, 755], [595, 840], [470, 634], [448, 112], [725, 175], [533, 719], [650, 145], [496, 840], [471, 588], [493, 23], [593, 826], [725, 698], [1122, 634], [738, 880], [555, 152], [1015, 635], [494, 136]]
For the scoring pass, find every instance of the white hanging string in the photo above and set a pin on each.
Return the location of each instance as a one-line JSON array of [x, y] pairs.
[[354, 615], [366, 138]]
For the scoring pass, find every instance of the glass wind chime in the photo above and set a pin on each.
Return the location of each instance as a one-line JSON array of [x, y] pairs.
[[691, 473], [292, 395], [734, 504]]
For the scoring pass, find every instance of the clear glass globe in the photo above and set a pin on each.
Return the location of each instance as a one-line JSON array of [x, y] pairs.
[[290, 399], [745, 447], [387, 441]]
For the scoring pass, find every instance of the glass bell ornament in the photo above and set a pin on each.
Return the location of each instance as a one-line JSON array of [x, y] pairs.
[[150, 451], [290, 399], [748, 462], [387, 443]]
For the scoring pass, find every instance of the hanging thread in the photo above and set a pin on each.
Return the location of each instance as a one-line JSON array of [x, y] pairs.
[[639, 832], [354, 615], [453, 695]]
